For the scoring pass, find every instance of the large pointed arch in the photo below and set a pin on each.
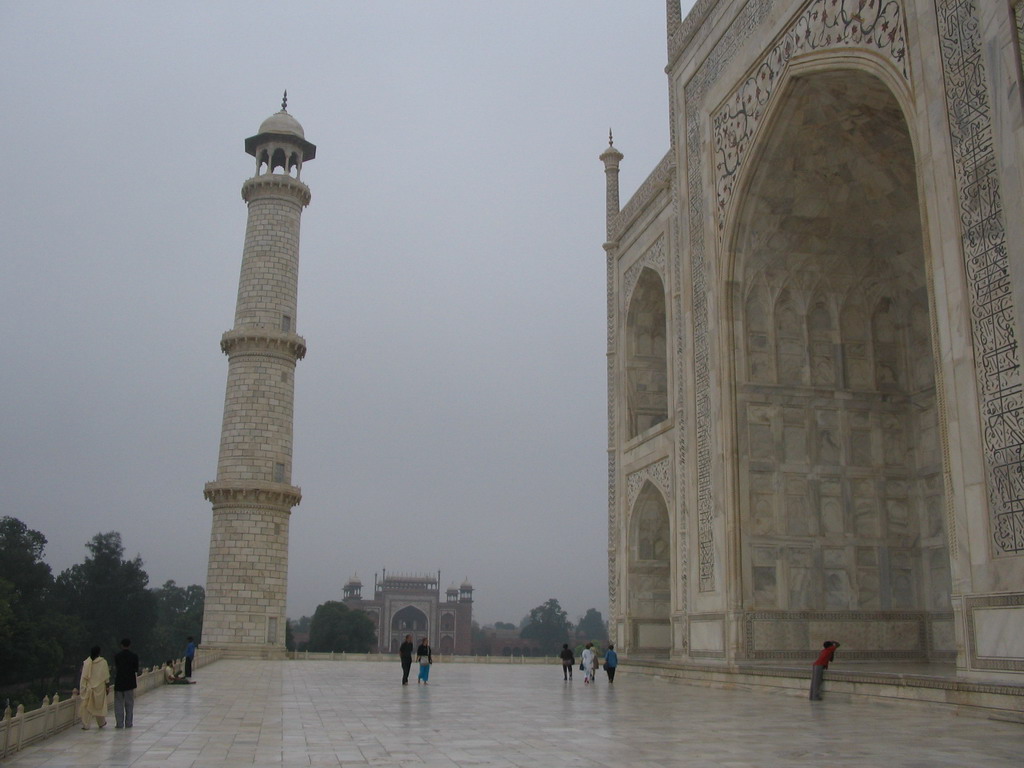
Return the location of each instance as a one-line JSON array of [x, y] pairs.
[[839, 490], [649, 571], [646, 355]]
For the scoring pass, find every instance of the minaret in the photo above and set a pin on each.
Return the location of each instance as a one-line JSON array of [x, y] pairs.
[[252, 497], [611, 158]]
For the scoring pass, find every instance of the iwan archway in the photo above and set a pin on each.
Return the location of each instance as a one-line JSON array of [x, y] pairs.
[[838, 477], [408, 621]]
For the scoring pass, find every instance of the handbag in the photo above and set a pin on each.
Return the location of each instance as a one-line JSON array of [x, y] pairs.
[[582, 668]]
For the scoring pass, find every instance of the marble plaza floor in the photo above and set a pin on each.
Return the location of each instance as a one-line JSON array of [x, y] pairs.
[[324, 713]]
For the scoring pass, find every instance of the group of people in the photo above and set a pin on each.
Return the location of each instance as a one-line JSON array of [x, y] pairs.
[[94, 686], [423, 658], [589, 662]]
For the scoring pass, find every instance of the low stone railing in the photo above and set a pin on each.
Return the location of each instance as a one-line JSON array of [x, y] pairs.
[[19, 729], [445, 659]]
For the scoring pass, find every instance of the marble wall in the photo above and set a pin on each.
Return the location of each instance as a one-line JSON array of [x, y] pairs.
[[843, 428]]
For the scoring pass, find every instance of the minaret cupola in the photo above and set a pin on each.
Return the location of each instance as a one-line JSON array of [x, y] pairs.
[[280, 146]]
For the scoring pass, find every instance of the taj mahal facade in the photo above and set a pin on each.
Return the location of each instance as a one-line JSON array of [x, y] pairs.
[[815, 406]]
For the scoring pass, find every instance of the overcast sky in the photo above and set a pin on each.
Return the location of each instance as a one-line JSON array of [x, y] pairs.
[[451, 409]]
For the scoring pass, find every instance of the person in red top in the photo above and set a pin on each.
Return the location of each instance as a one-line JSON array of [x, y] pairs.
[[820, 665]]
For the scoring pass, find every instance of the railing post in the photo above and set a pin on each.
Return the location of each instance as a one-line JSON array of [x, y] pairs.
[[44, 731], [7, 730], [20, 717]]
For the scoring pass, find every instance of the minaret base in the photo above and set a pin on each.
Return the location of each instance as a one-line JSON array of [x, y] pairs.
[[245, 651]]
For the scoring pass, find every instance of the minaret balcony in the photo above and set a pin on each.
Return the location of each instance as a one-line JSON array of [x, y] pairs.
[[263, 341], [275, 185], [277, 495]]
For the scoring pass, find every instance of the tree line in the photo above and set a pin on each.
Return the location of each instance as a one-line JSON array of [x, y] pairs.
[[48, 623], [336, 627]]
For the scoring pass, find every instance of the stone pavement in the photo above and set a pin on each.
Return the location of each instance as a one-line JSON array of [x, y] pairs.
[[331, 713]]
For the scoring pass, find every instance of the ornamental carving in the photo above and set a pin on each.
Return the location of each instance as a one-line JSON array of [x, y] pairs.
[[659, 474], [824, 24], [653, 258], [658, 180], [986, 262], [748, 19]]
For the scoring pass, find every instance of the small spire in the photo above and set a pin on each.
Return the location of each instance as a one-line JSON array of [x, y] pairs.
[[284, 102], [609, 137]]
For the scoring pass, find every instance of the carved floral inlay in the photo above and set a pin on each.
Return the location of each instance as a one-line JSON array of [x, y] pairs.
[[874, 24], [653, 258], [659, 473]]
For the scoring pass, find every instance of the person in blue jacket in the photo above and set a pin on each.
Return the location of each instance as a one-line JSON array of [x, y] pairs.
[[611, 661]]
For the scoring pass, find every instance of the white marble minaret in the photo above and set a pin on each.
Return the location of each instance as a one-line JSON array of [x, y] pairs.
[[253, 495]]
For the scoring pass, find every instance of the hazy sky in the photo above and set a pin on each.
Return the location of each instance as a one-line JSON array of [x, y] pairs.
[[451, 409]]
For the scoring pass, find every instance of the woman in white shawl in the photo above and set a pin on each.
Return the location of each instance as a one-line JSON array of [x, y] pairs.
[[93, 689], [587, 659]]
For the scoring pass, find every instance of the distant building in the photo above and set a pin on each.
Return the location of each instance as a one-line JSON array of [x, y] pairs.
[[412, 605]]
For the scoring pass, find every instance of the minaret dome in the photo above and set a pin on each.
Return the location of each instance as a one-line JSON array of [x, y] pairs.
[[280, 145]]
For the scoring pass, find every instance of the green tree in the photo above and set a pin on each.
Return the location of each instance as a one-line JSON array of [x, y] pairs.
[[30, 627], [108, 595], [336, 627], [592, 627], [504, 625], [549, 625], [179, 615]]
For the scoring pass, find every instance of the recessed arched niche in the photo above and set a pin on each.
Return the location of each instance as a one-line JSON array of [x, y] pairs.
[[836, 414], [646, 355]]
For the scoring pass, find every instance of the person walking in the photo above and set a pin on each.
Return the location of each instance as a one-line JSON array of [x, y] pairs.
[[126, 673], [568, 662], [405, 655], [611, 661], [93, 688], [190, 655], [587, 660], [425, 660], [828, 651]]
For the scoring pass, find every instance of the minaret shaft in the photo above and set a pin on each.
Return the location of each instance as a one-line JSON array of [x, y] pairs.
[[252, 497]]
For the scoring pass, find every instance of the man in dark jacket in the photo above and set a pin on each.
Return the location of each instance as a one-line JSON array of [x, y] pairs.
[[405, 654], [568, 662], [126, 672]]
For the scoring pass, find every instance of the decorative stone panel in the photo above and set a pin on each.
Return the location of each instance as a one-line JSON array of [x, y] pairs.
[[986, 262], [653, 258], [1006, 612], [658, 473], [869, 635]]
